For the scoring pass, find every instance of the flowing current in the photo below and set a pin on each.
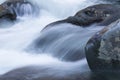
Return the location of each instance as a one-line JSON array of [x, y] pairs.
[[15, 38]]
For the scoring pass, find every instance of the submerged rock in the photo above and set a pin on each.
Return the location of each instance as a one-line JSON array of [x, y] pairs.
[[103, 49], [49, 71], [45, 73], [63, 41]]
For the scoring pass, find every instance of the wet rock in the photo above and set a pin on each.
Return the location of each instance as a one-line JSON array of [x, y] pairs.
[[7, 17], [43, 73], [100, 14], [103, 49], [113, 1], [6, 13], [20, 7], [38, 73]]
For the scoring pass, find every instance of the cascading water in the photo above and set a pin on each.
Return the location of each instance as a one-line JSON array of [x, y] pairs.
[[15, 39], [21, 8], [64, 41], [24, 10]]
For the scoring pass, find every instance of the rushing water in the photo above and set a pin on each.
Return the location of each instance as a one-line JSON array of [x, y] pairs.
[[18, 36]]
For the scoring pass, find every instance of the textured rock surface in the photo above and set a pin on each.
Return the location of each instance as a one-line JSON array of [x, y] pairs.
[[103, 49], [101, 14], [6, 13], [104, 14]]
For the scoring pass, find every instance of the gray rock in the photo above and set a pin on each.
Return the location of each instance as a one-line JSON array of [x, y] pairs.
[[103, 49], [100, 14]]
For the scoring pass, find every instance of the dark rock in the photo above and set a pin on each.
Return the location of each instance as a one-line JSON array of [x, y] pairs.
[[101, 14], [6, 13], [103, 49], [44, 73], [20, 7], [48, 72], [7, 17], [113, 1]]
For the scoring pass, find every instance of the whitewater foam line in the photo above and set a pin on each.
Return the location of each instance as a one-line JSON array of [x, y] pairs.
[[13, 59], [54, 71], [10, 59]]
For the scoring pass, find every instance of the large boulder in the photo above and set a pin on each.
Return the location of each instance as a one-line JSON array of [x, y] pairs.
[[100, 14], [103, 49]]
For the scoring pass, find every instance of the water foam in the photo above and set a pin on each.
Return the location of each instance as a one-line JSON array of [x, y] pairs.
[[17, 37]]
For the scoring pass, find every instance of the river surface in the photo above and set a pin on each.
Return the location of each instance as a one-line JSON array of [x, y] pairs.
[[15, 38]]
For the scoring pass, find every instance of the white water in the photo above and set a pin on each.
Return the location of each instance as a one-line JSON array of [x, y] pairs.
[[16, 38]]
